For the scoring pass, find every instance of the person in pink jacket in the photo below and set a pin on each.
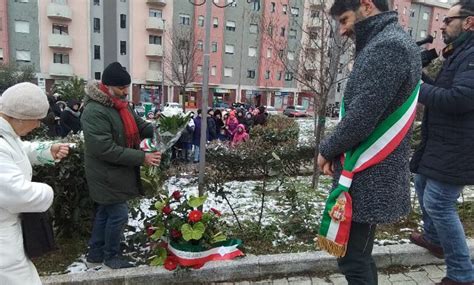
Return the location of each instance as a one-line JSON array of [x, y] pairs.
[[240, 135]]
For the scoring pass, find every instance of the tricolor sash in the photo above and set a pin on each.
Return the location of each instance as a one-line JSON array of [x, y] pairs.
[[387, 136]]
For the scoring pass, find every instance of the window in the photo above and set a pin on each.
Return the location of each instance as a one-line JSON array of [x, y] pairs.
[[285, 9], [123, 21], [291, 55], [216, 1], [96, 25], [21, 1], [292, 34], [282, 32], [184, 19], [279, 75], [232, 3], [199, 69], [1, 54], [201, 21], [269, 52], [60, 29], [267, 74], [425, 16], [412, 13], [230, 26], [251, 73], [200, 45], [315, 14], [183, 45], [252, 51], [410, 31], [96, 52], [123, 47], [213, 70], [270, 30], [123, 1], [62, 58], [1, 25], [437, 17], [313, 35], [253, 29], [281, 53], [22, 27], [256, 5], [228, 71], [155, 13], [214, 47], [423, 34], [295, 11], [341, 66], [154, 40], [154, 65], [288, 76], [404, 10], [97, 75], [338, 89], [435, 33], [273, 7], [229, 49], [23, 55], [97, 2], [215, 22]]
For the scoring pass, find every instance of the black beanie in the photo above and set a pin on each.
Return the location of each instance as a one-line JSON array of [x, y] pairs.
[[115, 75]]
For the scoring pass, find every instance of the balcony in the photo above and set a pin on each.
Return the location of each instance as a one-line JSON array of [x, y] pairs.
[[434, 3], [60, 41], [153, 75], [155, 24], [59, 12], [156, 2], [60, 69], [154, 50]]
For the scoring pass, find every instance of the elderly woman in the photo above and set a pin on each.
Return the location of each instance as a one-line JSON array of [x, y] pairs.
[[21, 108]]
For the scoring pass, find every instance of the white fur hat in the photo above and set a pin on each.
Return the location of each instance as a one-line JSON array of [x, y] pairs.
[[24, 101]]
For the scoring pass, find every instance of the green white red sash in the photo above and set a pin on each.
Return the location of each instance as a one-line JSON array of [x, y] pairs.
[[337, 216], [188, 256]]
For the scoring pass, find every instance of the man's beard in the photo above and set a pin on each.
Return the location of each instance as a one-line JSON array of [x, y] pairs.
[[450, 38], [123, 98]]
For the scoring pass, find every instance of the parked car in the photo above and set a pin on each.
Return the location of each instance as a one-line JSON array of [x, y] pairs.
[[221, 106], [270, 110], [297, 111], [243, 106], [172, 108]]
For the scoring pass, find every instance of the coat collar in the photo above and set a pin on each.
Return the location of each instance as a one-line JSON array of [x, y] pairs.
[[6, 129], [367, 29], [93, 93]]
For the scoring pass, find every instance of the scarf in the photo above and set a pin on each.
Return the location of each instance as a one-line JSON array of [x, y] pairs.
[[129, 124], [76, 114], [337, 216], [450, 48]]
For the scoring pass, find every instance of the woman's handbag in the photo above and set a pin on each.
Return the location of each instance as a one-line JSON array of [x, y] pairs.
[[38, 235]]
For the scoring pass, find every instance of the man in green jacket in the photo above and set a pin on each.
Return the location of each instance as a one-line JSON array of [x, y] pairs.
[[112, 134]]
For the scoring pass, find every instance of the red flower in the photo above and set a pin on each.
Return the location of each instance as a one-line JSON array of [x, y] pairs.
[[176, 195], [175, 233], [170, 263], [217, 212], [150, 231], [195, 216], [166, 210]]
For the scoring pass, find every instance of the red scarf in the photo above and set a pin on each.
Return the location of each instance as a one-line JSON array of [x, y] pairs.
[[129, 124]]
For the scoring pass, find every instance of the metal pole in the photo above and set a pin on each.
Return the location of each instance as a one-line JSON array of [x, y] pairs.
[[162, 99], [205, 98]]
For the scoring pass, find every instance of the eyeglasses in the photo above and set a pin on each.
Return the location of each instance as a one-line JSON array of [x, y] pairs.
[[447, 20]]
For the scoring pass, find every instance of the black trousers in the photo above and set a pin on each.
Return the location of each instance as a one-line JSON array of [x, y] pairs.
[[357, 265]]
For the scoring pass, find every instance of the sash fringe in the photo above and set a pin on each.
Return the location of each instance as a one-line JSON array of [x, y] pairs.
[[337, 250]]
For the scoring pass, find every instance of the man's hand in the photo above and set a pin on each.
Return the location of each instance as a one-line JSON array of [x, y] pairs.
[[152, 158], [59, 150], [325, 166]]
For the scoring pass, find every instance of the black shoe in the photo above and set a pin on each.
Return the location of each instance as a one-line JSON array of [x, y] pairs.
[[447, 281], [118, 262], [93, 262]]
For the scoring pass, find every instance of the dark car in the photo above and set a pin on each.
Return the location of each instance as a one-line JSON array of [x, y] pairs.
[[297, 111], [221, 105], [243, 106]]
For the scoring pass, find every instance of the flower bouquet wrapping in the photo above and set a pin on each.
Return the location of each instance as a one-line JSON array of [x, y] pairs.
[[182, 235]]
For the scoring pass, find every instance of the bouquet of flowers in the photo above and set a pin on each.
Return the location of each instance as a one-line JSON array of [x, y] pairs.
[[183, 235]]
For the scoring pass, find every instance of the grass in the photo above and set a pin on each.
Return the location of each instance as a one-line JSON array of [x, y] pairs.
[[58, 261]]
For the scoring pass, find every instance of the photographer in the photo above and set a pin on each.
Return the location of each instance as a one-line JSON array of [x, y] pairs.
[[444, 161]]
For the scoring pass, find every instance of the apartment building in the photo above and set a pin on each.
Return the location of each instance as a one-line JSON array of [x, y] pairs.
[[4, 44]]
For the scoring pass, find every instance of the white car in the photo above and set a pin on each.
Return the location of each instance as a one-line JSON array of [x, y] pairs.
[[270, 110], [171, 109]]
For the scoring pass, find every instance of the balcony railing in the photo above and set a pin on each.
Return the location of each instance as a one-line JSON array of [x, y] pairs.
[[59, 11], [155, 24], [156, 2], [153, 75], [154, 50], [60, 41], [61, 69]]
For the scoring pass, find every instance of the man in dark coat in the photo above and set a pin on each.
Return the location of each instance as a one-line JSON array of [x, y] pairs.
[[386, 70], [71, 118], [444, 161], [112, 133]]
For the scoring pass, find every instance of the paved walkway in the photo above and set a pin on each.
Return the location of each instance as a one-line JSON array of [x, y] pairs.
[[424, 275]]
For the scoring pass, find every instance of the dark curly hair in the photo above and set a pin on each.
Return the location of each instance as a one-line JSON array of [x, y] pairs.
[[341, 6]]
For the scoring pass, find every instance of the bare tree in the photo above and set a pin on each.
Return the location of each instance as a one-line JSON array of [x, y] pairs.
[[323, 60], [186, 51]]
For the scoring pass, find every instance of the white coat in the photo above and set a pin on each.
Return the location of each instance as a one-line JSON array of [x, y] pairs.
[[19, 195]]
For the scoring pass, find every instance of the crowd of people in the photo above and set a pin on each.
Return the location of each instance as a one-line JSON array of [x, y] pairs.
[[232, 126], [63, 118]]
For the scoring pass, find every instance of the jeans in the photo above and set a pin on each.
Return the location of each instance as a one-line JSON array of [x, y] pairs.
[[107, 231], [196, 153], [442, 225], [357, 265]]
